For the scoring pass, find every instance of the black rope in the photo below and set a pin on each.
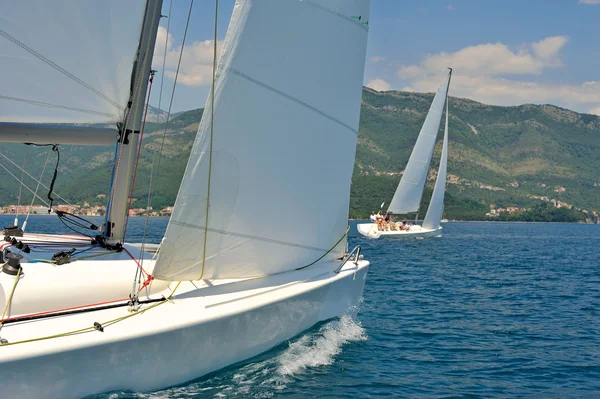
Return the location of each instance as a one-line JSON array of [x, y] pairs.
[[70, 312], [76, 231], [69, 219], [55, 149]]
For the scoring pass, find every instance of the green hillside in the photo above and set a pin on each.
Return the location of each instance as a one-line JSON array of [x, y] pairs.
[[506, 156]]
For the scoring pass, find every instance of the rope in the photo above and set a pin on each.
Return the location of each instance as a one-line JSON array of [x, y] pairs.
[[54, 149], [93, 328], [330, 249], [212, 124], [10, 296]]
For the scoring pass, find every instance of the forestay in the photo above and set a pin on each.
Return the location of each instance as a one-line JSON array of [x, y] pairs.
[[436, 205], [67, 61], [410, 190], [286, 115]]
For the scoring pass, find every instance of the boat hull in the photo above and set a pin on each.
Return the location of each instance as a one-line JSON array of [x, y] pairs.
[[370, 230], [212, 335]]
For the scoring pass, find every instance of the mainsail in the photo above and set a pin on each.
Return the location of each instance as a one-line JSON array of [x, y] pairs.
[[67, 61], [287, 105], [407, 197], [436, 205]]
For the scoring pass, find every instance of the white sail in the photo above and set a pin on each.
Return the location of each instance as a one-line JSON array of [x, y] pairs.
[[436, 205], [407, 197], [286, 117], [67, 61]]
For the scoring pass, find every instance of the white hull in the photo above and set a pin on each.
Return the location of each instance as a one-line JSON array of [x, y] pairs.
[[206, 326], [370, 230]]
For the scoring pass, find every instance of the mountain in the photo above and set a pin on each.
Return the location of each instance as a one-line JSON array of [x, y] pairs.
[[506, 156]]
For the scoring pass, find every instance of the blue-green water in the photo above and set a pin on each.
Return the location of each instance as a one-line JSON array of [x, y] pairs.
[[488, 310]]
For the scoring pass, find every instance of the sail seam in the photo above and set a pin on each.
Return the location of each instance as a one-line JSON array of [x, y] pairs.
[[241, 235], [289, 97], [59, 68], [56, 106], [337, 14]]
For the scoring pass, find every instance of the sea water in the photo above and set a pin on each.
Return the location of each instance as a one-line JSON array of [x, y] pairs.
[[487, 310]]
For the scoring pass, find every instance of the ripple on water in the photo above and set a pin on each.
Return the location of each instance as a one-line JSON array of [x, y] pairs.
[[487, 310]]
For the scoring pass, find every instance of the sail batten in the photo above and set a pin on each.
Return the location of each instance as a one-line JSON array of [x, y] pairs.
[[407, 197], [287, 106]]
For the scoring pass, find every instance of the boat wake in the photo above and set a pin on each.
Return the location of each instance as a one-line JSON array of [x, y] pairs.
[[271, 372]]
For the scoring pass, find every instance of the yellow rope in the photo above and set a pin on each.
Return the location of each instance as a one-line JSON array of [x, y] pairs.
[[330, 249], [118, 319], [92, 256], [93, 328], [9, 299], [212, 123]]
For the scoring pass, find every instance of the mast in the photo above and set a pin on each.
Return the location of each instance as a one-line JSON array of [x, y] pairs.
[[129, 137]]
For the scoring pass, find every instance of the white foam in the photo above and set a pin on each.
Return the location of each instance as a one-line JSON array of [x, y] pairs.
[[319, 349], [264, 379]]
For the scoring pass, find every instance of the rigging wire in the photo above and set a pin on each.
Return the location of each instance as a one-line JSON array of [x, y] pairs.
[[16, 223], [127, 117], [137, 159], [24, 185], [36, 190], [212, 124], [35, 179], [162, 144], [162, 78]]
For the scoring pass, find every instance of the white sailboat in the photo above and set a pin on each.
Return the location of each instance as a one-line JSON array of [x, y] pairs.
[[407, 197], [255, 251]]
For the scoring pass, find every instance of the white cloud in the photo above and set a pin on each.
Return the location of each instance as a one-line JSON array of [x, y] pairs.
[[411, 72], [589, 2], [500, 91], [196, 62], [483, 73], [378, 84], [377, 58], [493, 59], [594, 111]]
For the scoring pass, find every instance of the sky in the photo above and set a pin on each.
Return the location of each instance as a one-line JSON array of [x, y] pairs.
[[503, 52]]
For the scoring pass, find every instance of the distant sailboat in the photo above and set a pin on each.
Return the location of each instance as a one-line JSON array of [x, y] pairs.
[[255, 251], [407, 197]]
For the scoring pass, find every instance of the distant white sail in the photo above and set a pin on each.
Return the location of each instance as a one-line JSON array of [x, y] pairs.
[[286, 117], [67, 61], [436, 205], [407, 197]]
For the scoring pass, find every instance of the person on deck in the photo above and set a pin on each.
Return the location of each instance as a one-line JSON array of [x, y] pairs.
[[373, 217]]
